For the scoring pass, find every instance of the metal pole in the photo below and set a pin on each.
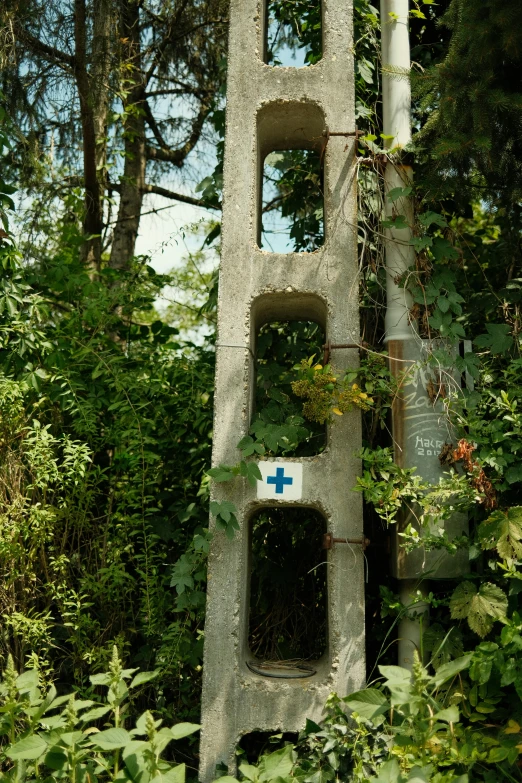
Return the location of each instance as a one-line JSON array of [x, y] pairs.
[[400, 255], [396, 107]]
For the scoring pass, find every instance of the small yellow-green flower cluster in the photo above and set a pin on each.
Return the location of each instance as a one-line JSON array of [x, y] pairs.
[[351, 396], [325, 394], [318, 393]]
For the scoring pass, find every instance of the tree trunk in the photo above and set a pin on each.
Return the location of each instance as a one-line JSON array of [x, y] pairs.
[[93, 219], [133, 180], [103, 19]]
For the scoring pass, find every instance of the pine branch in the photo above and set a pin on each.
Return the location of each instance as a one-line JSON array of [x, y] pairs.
[[45, 50], [165, 42], [396, 72]]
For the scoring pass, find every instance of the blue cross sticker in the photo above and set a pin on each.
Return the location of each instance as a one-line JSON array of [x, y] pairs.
[[280, 480]]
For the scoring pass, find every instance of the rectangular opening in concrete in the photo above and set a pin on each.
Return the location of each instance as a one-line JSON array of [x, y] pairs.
[[294, 32], [280, 348], [253, 744], [287, 628], [292, 202]]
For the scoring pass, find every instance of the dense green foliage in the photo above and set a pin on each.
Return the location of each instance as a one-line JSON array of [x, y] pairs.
[[51, 737], [105, 428], [105, 431]]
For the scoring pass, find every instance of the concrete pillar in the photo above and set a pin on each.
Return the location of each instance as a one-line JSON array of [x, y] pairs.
[[272, 108]]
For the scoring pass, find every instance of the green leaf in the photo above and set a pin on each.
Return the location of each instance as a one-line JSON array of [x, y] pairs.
[[503, 531], [276, 394], [111, 739], [497, 754], [396, 193], [461, 599], [449, 670], [480, 608], [181, 730], [27, 681], [429, 218], [31, 747], [472, 365], [132, 755], [253, 473], [249, 772], [277, 764], [203, 184], [398, 223], [443, 250], [142, 677], [364, 68], [514, 474], [175, 775], [100, 679], [134, 747], [388, 773], [94, 714], [55, 758], [449, 715], [245, 442], [182, 574], [498, 339], [70, 738], [440, 320], [224, 509], [232, 527], [421, 243], [395, 674], [221, 473], [443, 303], [368, 703], [482, 664], [312, 727], [444, 645]]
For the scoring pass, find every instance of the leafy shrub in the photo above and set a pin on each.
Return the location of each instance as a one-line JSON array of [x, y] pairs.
[[48, 738]]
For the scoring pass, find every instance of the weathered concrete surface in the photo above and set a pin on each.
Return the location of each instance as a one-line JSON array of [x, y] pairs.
[[420, 430], [281, 108]]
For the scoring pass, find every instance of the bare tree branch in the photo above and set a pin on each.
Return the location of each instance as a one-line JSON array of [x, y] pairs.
[[177, 156], [196, 202], [153, 125]]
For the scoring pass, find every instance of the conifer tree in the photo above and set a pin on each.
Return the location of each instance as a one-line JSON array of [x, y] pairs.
[[473, 99]]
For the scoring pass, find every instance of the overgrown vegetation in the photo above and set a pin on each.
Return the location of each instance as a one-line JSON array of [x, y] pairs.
[[105, 412], [51, 737]]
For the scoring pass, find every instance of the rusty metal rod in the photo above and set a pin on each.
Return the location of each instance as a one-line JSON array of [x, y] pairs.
[[341, 345], [327, 348], [343, 133], [329, 540]]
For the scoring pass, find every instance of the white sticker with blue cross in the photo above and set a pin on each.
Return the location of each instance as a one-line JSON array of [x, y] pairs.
[[281, 481]]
